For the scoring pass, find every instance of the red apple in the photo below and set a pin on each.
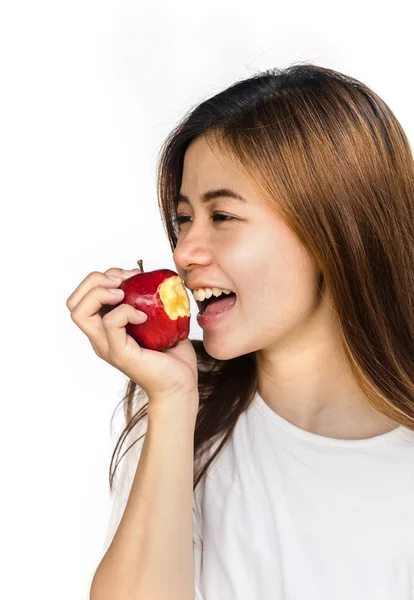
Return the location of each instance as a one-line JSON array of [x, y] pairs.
[[162, 296]]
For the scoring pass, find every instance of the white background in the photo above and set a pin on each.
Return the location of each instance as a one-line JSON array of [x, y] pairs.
[[88, 91]]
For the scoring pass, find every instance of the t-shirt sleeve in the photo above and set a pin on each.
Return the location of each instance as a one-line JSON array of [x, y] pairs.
[[123, 481], [197, 544]]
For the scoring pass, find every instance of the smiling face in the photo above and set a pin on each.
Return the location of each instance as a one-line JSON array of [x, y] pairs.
[[255, 254]]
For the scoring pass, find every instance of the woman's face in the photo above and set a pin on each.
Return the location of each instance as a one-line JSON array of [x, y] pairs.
[[255, 255]]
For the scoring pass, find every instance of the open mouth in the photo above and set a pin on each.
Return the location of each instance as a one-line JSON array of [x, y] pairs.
[[221, 301]]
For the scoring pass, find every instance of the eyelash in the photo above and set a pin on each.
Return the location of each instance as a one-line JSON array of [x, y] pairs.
[[179, 220]]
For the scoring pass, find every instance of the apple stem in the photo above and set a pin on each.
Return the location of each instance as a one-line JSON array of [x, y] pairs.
[[139, 262]]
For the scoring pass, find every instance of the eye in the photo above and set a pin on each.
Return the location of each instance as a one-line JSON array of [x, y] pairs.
[[183, 219]]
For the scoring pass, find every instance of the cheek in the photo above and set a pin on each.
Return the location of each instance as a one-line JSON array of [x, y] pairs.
[[276, 272], [256, 271]]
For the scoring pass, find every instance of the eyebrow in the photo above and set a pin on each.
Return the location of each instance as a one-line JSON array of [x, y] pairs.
[[210, 195]]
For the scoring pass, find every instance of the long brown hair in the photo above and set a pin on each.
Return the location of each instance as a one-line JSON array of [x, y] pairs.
[[331, 157]]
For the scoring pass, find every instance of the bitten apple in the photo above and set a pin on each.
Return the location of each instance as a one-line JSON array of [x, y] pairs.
[[162, 296]]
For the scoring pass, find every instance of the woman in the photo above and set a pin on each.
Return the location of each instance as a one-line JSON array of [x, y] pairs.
[[304, 422]]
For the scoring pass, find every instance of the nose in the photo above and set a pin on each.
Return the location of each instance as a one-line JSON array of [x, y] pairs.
[[191, 250]]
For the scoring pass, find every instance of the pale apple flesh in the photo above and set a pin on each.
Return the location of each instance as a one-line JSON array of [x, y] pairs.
[[175, 298]]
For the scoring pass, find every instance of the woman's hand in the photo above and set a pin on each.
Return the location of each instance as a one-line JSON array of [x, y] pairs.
[[164, 376]]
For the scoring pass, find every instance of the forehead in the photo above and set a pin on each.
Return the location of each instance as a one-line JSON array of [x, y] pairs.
[[204, 158], [209, 174]]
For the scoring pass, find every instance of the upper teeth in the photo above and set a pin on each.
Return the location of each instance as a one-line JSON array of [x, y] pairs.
[[201, 294]]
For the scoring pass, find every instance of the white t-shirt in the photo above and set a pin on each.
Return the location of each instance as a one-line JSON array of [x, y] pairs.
[[286, 514]]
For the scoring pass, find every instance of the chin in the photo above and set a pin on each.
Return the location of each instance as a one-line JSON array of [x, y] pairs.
[[219, 353]]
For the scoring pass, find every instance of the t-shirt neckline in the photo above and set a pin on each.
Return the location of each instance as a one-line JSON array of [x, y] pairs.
[[315, 438]]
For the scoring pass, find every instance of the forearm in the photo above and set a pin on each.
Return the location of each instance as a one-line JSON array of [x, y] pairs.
[[151, 555]]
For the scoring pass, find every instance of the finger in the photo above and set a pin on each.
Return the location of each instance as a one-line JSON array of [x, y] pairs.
[[96, 278], [122, 348], [125, 275], [87, 318]]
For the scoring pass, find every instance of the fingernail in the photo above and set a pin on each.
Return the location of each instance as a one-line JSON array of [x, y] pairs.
[[130, 271], [116, 292], [115, 278]]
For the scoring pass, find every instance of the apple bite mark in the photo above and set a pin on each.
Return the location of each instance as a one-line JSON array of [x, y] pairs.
[[175, 298]]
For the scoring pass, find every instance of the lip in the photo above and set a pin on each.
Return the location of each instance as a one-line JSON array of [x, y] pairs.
[[207, 321]]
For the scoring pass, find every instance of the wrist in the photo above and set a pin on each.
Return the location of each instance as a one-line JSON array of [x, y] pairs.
[[182, 408]]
